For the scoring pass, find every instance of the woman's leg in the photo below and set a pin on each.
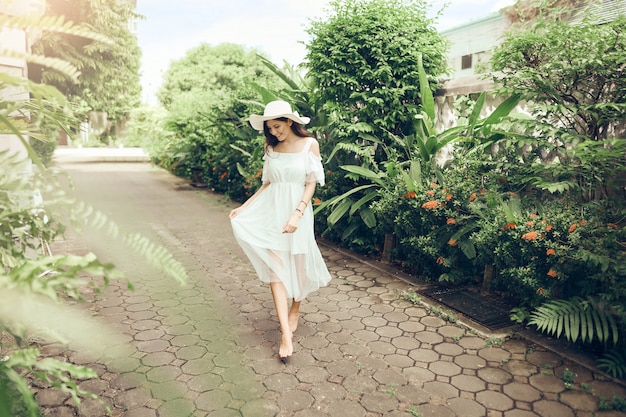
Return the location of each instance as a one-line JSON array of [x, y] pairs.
[[279, 292], [294, 315]]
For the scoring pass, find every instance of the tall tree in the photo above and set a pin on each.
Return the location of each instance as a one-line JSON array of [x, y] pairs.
[[109, 80], [364, 58]]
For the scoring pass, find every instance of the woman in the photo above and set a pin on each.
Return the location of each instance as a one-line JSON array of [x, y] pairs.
[[274, 227]]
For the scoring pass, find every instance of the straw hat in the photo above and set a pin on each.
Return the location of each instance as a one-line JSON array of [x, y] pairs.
[[276, 110]]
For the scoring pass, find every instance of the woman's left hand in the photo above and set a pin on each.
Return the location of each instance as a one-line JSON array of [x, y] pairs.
[[292, 223]]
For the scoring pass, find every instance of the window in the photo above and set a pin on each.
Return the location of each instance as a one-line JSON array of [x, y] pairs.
[[466, 61]]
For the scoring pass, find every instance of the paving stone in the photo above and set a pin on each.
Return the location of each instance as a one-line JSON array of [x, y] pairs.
[[551, 409], [495, 400], [578, 400], [295, 400], [378, 402], [468, 383], [547, 383], [51, 397], [328, 392], [424, 355], [466, 408], [521, 392], [445, 368], [433, 410], [359, 384], [441, 389], [470, 361], [521, 368], [345, 408]]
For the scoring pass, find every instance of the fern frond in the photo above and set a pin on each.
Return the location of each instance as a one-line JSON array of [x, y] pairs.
[[156, 255], [614, 363], [56, 24], [576, 318]]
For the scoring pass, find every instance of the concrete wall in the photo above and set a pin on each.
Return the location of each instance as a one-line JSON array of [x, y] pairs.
[[18, 41]]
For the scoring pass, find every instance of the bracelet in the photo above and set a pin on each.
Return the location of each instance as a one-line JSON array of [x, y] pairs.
[[299, 210], [305, 203]]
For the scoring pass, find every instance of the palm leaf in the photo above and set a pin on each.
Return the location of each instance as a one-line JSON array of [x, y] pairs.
[[576, 318]]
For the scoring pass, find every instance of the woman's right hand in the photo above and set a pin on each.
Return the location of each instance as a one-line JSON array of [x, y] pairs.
[[234, 212]]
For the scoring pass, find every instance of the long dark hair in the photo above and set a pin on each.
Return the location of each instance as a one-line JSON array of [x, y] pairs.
[[297, 128]]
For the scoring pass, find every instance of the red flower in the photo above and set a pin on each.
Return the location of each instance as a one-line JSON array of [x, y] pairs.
[[472, 197], [451, 221], [430, 205], [530, 236], [508, 226], [550, 252]]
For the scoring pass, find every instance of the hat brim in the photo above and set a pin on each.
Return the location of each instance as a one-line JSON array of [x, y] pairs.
[[257, 120]]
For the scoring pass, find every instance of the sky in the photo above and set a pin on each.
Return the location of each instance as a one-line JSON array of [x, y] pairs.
[[277, 28]]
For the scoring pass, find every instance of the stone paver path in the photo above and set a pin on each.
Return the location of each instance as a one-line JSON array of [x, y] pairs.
[[210, 348]]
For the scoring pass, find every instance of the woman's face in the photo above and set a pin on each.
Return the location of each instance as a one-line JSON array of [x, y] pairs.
[[280, 129]]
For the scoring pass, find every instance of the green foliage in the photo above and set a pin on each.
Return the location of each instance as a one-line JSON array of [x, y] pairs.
[[108, 64], [33, 210], [576, 318], [613, 362], [364, 61], [572, 72], [208, 95]]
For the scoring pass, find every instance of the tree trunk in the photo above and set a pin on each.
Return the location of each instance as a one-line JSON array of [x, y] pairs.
[[387, 247], [488, 275]]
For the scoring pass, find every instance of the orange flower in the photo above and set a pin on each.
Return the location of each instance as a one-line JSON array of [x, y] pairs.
[[612, 226], [540, 291], [514, 195], [430, 193], [448, 197], [441, 260], [582, 222], [472, 197], [410, 194], [533, 216], [317, 201], [329, 172], [223, 175], [530, 236], [451, 221], [572, 228], [258, 173], [552, 273], [433, 185], [550, 252], [508, 226], [429, 205], [530, 224], [482, 191], [452, 242], [549, 227]]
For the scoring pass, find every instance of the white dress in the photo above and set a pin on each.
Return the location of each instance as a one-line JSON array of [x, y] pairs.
[[293, 258]]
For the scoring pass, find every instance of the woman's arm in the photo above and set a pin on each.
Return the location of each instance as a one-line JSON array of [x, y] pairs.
[[233, 213]]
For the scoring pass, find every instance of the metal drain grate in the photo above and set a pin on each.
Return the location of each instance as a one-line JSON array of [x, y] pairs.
[[486, 310]]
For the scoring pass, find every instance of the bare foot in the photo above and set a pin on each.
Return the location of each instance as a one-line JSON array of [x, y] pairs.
[[286, 345], [293, 321]]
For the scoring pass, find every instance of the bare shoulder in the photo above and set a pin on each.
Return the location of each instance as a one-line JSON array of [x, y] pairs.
[[315, 146]]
